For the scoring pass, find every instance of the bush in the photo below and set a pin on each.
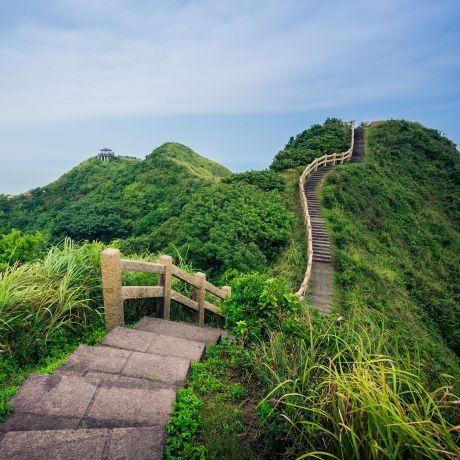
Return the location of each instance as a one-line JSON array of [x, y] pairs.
[[16, 247], [257, 305]]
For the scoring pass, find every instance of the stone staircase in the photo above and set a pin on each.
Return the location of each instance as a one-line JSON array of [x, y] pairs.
[[109, 401], [321, 280]]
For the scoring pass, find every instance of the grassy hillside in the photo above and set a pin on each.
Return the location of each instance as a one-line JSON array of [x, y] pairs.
[[106, 200], [394, 221]]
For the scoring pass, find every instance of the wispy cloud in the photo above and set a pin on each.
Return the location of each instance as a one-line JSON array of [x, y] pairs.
[[78, 58]]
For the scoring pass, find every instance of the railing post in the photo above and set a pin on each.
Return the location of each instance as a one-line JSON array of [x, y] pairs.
[[164, 303], [335, 158], [198, 296], [111, 288]]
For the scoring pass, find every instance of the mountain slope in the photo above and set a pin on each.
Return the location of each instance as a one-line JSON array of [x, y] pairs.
[[395, 225], [106, 200]]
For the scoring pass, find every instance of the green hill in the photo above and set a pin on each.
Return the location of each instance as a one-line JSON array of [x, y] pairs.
[[395, 224], [106, 200]]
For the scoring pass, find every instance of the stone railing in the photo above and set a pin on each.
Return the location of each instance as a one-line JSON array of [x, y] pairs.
[[332, 159], [112, 266]]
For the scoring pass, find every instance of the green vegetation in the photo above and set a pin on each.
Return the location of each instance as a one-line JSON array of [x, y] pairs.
[[17, 248], [115, 199], [394, 221], [265, 180], [50, 300], [215, 416], [376, 379], [227, 226], [333, 136]]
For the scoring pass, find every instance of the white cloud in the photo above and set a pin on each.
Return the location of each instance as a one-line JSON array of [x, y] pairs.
[[122, 58]]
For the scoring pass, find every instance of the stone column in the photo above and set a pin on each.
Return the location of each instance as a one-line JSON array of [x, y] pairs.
[[111, 288]]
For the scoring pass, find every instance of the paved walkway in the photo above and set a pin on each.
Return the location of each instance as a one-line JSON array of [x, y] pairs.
[[110, 401], [322, 274]]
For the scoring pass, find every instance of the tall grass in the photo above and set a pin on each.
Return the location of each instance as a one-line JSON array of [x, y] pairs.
[[47, 300], [343, 398]]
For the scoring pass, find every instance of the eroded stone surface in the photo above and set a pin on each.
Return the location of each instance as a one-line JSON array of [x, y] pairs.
[[130, 339], [157, 368], [98, 359], [55, 395], [136, 443], [130, 407], [53, 445], [180, 330]]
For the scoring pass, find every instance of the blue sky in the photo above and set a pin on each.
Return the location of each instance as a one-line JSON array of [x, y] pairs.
[[231, 79]]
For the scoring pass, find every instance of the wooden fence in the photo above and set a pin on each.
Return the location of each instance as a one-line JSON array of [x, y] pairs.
[[332, 159], [112, 266]]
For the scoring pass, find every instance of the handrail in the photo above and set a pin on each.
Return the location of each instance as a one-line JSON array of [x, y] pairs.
[[112, 266], [333, 159]]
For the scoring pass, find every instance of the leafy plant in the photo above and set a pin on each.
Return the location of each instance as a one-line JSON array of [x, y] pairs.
[[258, 304]]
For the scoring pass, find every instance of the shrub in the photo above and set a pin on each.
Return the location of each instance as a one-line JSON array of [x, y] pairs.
[[16, 247], [258, 304]]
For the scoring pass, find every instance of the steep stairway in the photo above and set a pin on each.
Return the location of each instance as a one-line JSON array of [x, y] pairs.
[[109, 401], [321, 280]]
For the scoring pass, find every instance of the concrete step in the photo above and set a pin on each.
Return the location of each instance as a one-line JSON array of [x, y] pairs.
[[180, 330], [109, 444], [169, 370], [321, 258], [45, 400], [156, 343]]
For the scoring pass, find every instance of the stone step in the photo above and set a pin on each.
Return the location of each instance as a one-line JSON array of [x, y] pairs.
[[109, 444], [156, 343], [169, 370], [321, 258], [73, 400], [180, 330]]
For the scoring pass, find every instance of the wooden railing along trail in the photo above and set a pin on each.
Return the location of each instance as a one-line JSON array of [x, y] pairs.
[[317, 163], [112, 266]]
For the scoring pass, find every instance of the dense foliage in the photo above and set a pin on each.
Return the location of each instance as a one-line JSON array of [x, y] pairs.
[[17, 248], [265, 180], [107, 200], [332, 136], [395, 225], [224, 226], [258, 305]]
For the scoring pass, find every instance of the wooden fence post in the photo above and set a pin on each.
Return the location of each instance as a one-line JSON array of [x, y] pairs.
[[164, 304], [198, 296], [111, 288]]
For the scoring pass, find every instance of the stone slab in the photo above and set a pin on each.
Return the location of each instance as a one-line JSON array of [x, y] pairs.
[[166, 345], [130, 339], [98, 359], [179, 330], [53, 445], [55, 395], [143, 443], [124, 407], [165, 369], [19, 421]]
